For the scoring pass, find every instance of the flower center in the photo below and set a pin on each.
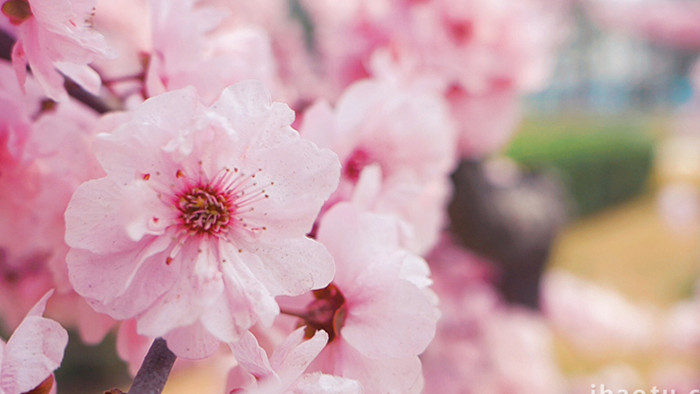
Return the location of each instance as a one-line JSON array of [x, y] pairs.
[[327, 312], [354, 165], [205, 210], [17, 11], [461, 31]]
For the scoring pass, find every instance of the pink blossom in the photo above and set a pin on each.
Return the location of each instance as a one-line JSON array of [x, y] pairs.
[[295, 64], [15, 118], [55, 36], [44, 155], [185, 42], [126, 26], [213, 202], [455, 270], [588, 315], [59, 159], [363, 26], [377, 312], [32, 353], [678, 203], [478, 44], [667, 22], [284, 371], [481, 131], [485, 54], [164, 45], [681, 326], [23, 274], [491, 349], [678, 377], [396, 145], [481, 345], [488, 54]]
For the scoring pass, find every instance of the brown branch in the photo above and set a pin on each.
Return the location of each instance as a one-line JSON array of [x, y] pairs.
[[151, 377]]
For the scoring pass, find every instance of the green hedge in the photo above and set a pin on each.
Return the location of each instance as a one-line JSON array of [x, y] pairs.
[[602, 161]]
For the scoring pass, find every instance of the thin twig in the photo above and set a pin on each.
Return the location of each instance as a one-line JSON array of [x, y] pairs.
[[151, 377]]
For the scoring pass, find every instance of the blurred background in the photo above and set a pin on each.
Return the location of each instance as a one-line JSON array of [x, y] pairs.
[[618, 127]]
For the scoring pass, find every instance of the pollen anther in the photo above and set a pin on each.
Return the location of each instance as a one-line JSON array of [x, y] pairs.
[[205, 210]]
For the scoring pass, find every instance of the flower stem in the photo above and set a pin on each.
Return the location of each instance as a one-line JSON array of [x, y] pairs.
[[151, 377]]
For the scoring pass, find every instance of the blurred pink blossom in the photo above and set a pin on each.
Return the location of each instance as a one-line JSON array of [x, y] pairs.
[[481, 344], [594, 318], [297, 83], [484, 54], [678, 377], [55, 36], [44, 155], [166, 45], [681, 326], [185, 41], [668, 22], [396, 146]]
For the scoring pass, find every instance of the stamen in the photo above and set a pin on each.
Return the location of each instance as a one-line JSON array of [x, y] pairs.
[[327, 312], [17, 11], [217, 206], [205, 210]]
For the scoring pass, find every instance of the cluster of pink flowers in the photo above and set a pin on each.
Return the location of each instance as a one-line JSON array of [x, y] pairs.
[[153, 176]]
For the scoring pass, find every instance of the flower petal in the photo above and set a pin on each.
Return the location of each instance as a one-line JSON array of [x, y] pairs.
[[33, 352], [198, 286], [400, 324], [122, 284], [245, 300], [193, 342], [289, 266]]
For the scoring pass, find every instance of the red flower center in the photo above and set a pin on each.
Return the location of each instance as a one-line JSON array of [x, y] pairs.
[[461, 31], [357, 161], [327, 312], [205, 210]]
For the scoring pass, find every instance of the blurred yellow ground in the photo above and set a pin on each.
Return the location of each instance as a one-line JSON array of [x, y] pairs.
[[629, 248], [632, 250], [206, 376]]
